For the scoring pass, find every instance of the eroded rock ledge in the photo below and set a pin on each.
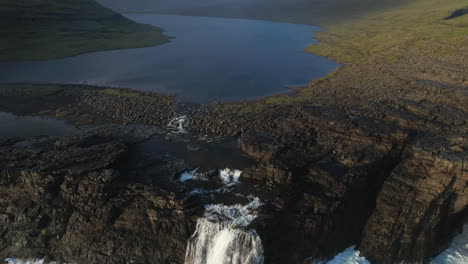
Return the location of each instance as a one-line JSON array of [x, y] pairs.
[[67, 200], [422, 203]]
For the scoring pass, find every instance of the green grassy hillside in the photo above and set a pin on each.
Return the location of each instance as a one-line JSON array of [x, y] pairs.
[[418, 26], [46, 29], [399, 46]]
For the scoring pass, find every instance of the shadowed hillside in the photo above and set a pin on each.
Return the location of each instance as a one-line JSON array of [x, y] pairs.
[[314, 12], [58, 28]]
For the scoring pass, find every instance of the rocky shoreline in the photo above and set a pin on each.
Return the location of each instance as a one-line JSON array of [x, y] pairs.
[[388, 177]]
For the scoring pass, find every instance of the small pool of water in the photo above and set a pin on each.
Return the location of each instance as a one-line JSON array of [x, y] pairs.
[[29, 126], [203, 155], [211, 59]]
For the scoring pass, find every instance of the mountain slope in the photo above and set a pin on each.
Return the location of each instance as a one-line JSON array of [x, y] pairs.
[[49, 29], [314, 12]]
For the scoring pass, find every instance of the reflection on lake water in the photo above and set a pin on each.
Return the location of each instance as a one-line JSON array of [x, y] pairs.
[[30, 126], [210, 59]]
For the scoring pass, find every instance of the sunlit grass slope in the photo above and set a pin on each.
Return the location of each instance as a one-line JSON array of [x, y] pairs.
[[417, 28]]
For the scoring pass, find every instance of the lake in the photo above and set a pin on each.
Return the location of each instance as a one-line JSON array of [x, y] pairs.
[[30, 126], [210, 59]]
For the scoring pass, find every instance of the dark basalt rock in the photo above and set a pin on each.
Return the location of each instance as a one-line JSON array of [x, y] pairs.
[[67, 200], [386, 175], [143, 108], [421, 204], [458, 13], [326, 173]]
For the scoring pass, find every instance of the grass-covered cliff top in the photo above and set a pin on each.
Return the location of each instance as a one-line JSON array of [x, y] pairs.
[[419, 26], [405, 48], [47, 29]]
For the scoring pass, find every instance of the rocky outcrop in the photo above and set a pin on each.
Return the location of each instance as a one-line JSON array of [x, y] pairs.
[[325, 170], [422, 203], [127, 106], [69, 200], [458, 13], [339, 180]]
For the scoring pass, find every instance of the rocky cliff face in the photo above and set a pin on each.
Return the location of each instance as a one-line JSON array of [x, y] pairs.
[[388, 177], [421, 204], [67, 199], [327, 172], [373, 176]]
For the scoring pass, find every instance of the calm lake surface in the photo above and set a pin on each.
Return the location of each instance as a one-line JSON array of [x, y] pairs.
[[210, 59], [31, 126]]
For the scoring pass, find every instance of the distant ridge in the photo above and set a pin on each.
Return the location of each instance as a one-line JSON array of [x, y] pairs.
[[312, 12]]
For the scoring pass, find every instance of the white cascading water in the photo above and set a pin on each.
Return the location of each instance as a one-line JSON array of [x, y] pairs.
[[19, 261], [178, 124], [222, 236], [192, 175], [230, 177]]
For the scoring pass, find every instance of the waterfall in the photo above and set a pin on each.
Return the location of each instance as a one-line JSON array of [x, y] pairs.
[[18, 261], [227, 176], [178, 124], [222, 236], [192, 175], [230, 177]]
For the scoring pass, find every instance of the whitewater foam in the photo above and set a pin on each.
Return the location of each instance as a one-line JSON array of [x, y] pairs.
[[457, 253], [19, 261], [192, 175], [178, 124], [349, 256], [230, 177], [233, 215]]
